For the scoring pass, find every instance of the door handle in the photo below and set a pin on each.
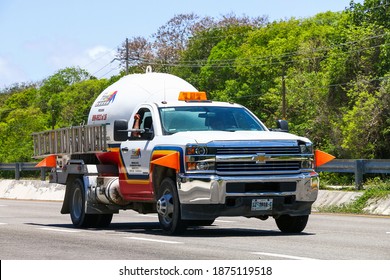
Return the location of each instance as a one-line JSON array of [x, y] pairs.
[[125, 149]]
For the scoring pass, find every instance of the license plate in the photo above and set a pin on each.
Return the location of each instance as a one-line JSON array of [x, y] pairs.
[[260, 204]]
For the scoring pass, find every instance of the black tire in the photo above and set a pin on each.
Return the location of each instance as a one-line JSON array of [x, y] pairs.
[[168, 208], [200, 223], [104, 220], [77, 207], [292, 224]]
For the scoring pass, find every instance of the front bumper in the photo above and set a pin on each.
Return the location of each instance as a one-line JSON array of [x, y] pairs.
[[232, 195]]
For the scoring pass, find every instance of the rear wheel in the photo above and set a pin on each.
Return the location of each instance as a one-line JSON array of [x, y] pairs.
[[168, 208], [77, 209], [292, 224]]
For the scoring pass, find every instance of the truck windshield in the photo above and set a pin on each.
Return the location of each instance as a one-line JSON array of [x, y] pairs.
[[202, 118]]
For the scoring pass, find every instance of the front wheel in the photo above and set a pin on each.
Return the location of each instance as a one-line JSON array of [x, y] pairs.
[[292, 224], [201, 223], [168, 208], [104, 220]]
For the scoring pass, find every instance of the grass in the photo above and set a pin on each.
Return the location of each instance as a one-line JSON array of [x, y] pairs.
[[374, 190]]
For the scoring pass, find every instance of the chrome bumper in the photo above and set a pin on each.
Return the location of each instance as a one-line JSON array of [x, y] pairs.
[[211, 189]]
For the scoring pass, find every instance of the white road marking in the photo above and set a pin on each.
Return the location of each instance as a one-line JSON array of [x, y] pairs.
[[2, 224], [60, 230], [387, 232], [282, 256], [154, 240]]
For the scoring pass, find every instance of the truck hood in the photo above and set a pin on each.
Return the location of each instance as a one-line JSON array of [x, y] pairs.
[[208, 136]]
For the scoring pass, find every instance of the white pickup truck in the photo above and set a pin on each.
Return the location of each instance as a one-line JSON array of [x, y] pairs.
[[153, 143]]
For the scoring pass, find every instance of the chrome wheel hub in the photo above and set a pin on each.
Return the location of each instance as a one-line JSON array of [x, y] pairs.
[[165, 207]]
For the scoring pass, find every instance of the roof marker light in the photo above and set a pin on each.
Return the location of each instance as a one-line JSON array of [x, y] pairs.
[[192, 96]]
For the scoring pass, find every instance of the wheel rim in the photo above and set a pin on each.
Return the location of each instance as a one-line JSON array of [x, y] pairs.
[[77, 201], [165, 207]]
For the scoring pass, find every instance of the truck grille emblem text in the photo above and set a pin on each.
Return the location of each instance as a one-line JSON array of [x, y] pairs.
[[260, 158]]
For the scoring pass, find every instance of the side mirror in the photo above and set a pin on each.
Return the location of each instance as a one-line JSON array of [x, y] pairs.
[[148, 134], [282, 125], [121, 130]]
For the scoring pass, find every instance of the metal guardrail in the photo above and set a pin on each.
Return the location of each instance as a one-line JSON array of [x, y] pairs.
[[18, 167], [357, 166]]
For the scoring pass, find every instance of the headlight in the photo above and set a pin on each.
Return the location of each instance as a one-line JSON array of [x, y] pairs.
[[307, 164], [306, 148], [198, 159], [196, 150]]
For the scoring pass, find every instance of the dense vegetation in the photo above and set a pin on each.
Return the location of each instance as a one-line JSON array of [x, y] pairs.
[[332, 68]]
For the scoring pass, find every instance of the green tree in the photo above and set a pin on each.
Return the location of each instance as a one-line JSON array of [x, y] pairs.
[[16, 143], [49, 100], [371, 12], [76, 101]]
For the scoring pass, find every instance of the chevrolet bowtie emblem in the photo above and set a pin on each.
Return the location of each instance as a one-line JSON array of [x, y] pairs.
[[260, 158]]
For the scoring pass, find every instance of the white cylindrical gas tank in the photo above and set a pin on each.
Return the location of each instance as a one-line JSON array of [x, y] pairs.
[[120, 99]]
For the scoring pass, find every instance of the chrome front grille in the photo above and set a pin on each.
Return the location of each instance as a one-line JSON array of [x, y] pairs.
[[284, 159], [255, 150]]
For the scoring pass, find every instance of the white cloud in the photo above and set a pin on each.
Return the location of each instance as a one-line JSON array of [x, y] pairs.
[[98, 60], [40, 59], [101, 61]]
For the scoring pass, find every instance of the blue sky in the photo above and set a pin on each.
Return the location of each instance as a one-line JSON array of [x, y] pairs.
[[40, 37]]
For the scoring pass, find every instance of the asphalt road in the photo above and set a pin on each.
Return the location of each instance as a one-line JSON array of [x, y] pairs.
[[31, 230]]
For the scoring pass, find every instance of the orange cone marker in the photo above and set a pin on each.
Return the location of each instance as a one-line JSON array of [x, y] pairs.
[[50, 161], [322, 158], [170, 160]]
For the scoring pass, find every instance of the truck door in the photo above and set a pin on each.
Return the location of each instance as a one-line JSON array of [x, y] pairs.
[[135, 154]]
